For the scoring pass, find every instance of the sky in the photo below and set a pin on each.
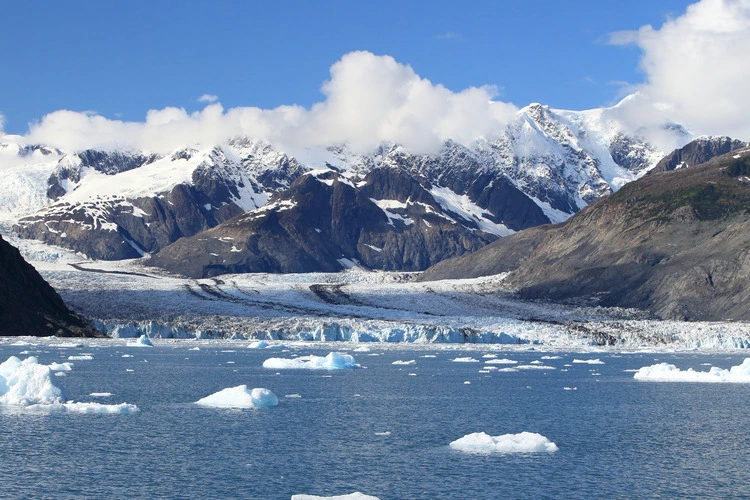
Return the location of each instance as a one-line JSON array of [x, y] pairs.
[[82, 73]]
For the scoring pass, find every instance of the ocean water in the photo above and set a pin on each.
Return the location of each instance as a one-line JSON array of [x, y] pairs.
[[382, 430]]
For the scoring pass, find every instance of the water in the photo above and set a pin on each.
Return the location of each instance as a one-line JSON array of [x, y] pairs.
[[618, 438]]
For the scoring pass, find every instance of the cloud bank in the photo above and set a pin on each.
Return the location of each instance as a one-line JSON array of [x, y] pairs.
[[697, 65], [368, 99]]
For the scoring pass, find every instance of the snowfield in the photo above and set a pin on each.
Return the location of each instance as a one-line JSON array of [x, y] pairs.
[[128, 299]]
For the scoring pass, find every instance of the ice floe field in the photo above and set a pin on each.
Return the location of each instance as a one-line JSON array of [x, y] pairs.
[[288, 419]]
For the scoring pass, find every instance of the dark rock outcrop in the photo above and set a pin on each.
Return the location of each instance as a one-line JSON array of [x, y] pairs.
[[675, 243], [30, 306], [697, 152], [323, 223]]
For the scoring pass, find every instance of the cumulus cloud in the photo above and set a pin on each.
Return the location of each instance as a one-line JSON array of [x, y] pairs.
[[369, 99], [697, 65], [208, 98]]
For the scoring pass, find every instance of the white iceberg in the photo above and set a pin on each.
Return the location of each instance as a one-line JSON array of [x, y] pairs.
[[240, 397], [24, 383], [402, 362], [665, 372], [465, 360], [261, 344], [351, 496], [333, 361], [524, 442], [589, 361], [31, 385], [142, 341]]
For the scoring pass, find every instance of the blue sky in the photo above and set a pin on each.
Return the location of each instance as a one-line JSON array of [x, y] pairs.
[[121, 59]]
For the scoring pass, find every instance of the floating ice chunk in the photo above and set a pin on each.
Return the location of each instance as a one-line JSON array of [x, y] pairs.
[[261, 344], [333, 361], [351, 496], [61, 367], [240, 397], [293, 396], [191, 349], [72, 407], [24, 383], [570, 388], [402, 362], [490, 356], [508, 370], [589, 361], [465, 360], [362, 349], [385, 433], [524, 442], [82, 357], [535, 367], [501, 362], [551, 357], [429, 356], [127, 355], [664, 372], [101, 394], [142, 341]]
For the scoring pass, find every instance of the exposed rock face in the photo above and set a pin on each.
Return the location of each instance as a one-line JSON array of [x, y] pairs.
[[325, 223], [117, 225], [697, 152], [675, 243], [30, 306]]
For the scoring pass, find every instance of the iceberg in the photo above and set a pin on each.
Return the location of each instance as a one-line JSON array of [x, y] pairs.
[[31, 385], [261, 344], [25, 383], [351, 496], [82, 357], [240, 397], [333, 361], [665, 372], [501, 362], [524, 442], [402, 362], [465, 360], [142, 341], [61, 367]]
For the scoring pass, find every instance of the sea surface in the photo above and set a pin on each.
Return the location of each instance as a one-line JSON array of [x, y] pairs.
[[382, 430]]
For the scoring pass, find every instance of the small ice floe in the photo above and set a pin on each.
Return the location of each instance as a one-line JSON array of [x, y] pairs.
[[596, 361], [570, 388], [82, 357], [142, 341], [73, 407], [467, 382], [665, 372], [524, 442], [501, 362], [351, 496], [535, 367], [333, 361], [490, 356], [429, 356], [127, 355], [101, 394], [384, 433], [240, 397], [402, 362], [508, 370], [61, 367], [261, 344], [465, 360], [551, 357], [293, 396], [191, 349], [362, 349]]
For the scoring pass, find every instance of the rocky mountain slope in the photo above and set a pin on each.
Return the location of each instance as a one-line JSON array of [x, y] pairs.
[[676, 243], [544, 166], [30, 306]]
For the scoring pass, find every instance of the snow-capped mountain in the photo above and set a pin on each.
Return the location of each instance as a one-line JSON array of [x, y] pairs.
[[545, 166]]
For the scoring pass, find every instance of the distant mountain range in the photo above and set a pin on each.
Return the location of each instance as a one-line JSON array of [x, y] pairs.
[[245, 206], [675, 242]]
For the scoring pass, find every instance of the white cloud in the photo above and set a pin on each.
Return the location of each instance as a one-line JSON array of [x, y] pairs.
[[698, 65], [368, 99], [208, 98]]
